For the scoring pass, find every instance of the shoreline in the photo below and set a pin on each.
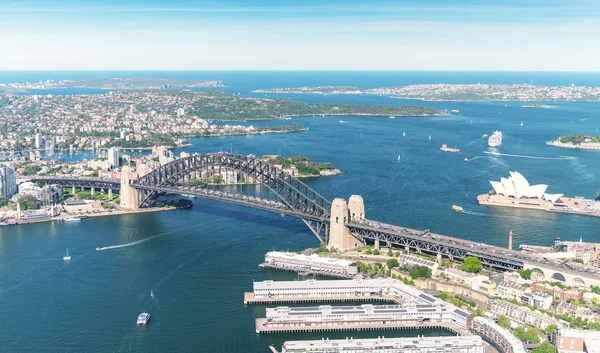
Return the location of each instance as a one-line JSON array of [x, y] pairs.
[[546, 206], [93, 215], [571, 145]]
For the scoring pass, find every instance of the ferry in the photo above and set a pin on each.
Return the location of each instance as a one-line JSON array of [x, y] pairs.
[[143, 318], [445, 148], [496, 139], [457, 208], [455, 111], [72, 219]]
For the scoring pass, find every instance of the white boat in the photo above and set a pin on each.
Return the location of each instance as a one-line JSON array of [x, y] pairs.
[[404, 133], [342, 121], [466, 159], [67, 257], [496, 139], [143, 318], [455, 111], [392, 117], [484, 135], [429, 137], [72, 219], [398, 157], [521, 123], [457, 208]]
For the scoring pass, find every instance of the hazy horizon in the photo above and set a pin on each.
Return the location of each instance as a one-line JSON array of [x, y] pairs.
[[327, 35]]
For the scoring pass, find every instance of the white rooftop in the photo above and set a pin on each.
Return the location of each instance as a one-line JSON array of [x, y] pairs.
[[382, 343]]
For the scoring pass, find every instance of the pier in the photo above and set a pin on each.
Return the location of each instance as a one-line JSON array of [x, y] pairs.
[[249, 299], [263, 328]]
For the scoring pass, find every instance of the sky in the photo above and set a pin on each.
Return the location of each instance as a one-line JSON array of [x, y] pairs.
[[498, 35]]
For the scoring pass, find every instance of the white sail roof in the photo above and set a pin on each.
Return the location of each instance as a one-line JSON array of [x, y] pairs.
[[517, 186]]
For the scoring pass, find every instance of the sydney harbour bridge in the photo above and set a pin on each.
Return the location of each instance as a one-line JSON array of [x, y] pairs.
[[338, 223]]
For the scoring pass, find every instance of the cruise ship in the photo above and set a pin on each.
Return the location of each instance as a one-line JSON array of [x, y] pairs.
[[143, 318], [496, 139]]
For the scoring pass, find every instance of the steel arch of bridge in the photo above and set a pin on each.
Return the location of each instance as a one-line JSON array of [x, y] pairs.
[[363, 232], [297, 198]]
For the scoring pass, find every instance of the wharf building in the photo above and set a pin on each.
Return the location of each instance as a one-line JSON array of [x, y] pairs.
[[314, 264], [444, 344], [330, 290], [361, 317], [521, 314]]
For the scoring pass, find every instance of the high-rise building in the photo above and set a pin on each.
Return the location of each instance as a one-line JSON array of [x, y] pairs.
[[38, 141], [114, 157], [8, 181]]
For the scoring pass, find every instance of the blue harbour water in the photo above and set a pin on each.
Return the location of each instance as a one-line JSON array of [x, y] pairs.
[[198, 262]]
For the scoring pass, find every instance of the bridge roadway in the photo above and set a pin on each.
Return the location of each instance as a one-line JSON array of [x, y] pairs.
[[240, 199], [456, 248], [424, 241]]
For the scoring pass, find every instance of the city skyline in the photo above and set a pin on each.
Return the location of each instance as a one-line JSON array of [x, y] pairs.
[[325, 35]]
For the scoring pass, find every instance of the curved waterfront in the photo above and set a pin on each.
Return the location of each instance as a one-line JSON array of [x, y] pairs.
[[199, 262]]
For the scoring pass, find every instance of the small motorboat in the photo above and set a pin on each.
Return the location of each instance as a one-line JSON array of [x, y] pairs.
[[143, 318], [457, 208], [466, 159], [97, 249], [67, 257]]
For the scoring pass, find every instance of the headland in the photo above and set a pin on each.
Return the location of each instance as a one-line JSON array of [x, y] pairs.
[[586, 142], [462, 92]]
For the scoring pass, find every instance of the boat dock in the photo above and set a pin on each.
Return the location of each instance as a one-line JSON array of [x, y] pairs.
[[249, 299], [262, 327]]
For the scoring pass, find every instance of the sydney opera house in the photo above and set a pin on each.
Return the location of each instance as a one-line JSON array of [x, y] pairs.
[[515, 191], [516, 186]]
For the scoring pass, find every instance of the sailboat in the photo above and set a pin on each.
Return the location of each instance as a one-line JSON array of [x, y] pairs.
[[429, 137], [398, 157], [404, 134], [151, 294], [67, 257], [521, 123]]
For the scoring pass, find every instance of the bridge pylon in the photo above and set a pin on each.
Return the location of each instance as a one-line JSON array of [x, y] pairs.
[[341, 213], [128, 194]]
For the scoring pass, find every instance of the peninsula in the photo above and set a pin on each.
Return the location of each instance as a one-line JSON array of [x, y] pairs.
[[463, 92], [581, 141], [302, 166], [118, 83], [141, 119]]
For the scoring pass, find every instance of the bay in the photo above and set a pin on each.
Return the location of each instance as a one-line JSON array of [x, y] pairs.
[[199, 262]]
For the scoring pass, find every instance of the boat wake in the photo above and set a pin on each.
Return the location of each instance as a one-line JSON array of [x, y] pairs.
[[128, 244], [530, 157], [473, 213]]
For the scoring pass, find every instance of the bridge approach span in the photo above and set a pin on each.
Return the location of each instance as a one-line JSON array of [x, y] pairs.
[[422, 243]]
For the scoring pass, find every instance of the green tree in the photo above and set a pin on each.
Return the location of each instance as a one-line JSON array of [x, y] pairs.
[[375, 252], [28, 202], [420, 272], [545, 347], [548, 330], [526, 274], [504, 321], [390, 252], [3, 201], [472, 264], [391, 263]]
